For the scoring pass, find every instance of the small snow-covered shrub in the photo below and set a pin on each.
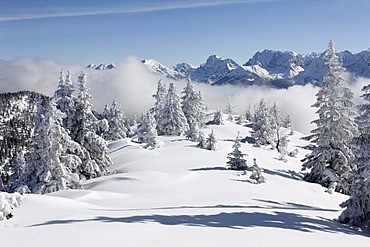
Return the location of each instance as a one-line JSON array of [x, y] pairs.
[[8, 202]]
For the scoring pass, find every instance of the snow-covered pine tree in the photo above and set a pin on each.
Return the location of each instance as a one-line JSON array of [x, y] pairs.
[[262, 129], [201, 141], [160, 99], [172, 120], [331, 160], [236, 159], [257, 176], [357, 212], [211, 142], [141, 128], [193, 107], [217, 118], [150, 135], [65, 100], [248, 114], [229, 109], [49, 163], [18, 165], [116, 122], [96, 160]]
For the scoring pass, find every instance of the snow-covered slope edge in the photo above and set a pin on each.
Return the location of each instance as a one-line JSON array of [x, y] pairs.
[[179, 195]]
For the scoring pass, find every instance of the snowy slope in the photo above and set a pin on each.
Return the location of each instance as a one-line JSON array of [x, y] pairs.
[[179, 195]]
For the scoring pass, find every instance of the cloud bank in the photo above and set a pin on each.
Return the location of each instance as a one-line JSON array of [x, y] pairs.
[[133, 85], [50, 11]]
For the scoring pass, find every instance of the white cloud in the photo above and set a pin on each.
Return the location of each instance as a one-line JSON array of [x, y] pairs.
[[49, 12], [134, 86]]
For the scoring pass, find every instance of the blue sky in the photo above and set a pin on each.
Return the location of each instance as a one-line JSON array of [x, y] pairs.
[[91, 31]]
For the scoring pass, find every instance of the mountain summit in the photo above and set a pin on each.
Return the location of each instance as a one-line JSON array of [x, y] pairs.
[[270, 68]]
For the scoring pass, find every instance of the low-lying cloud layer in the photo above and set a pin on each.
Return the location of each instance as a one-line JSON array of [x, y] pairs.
[[134, 86]]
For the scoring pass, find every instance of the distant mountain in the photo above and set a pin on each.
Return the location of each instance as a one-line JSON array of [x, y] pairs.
[[270, 68], [102, 66]]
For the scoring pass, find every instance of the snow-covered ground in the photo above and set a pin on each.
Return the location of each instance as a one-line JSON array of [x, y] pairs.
[[180, 195]]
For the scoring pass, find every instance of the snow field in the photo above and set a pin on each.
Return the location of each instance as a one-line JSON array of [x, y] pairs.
[[180, 195]]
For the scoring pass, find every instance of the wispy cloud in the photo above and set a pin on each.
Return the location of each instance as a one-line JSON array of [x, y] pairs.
[[74, 11]]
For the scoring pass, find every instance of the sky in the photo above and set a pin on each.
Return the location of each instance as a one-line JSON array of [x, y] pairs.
[[95, 31]]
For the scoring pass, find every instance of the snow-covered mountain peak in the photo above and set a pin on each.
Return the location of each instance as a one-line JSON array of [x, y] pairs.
[[157, 67]]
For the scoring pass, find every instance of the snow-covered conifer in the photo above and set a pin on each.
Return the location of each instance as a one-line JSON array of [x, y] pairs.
[[116, 122], [217, 118], [262, 130], [160, 99], [236, 159], [357, 212], [50, 163], [96, 159], [257, 176], [193, 108], [172, 120], [201, 141], [65, 100], [229, 109], [211, 142], [150, 136], [331, 160]]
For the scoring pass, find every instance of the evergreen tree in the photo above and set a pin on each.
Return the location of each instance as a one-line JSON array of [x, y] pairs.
[[49, 163], [229, 109], [217, 118], [201, 141], [193, 108], [160, 100], [96, 160], [236, 159], [331, 160], [257, 176], [172, 120], [142, 127], [262, 129], [211, 142], [65, 100], [150, 136], [116, 122], [357, 212]]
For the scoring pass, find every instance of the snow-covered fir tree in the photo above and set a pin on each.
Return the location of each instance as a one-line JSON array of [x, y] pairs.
[[357, 207], [262, 130], [116, 122], [141, 128], [193, 108], [257, 176], [50, 164], [202, 141], [211, 142], [288, 124], [236, 159], [249, 114], [65, 100], [150, 135], [229, 109], [18, 165], [172, 120], [217, 118], [160, 99], [331, 161], [96, 160]]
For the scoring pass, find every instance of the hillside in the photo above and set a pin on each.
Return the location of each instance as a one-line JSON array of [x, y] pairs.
[[180, 195]]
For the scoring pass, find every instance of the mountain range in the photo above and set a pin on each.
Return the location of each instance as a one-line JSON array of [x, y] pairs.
[[269, 68]]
